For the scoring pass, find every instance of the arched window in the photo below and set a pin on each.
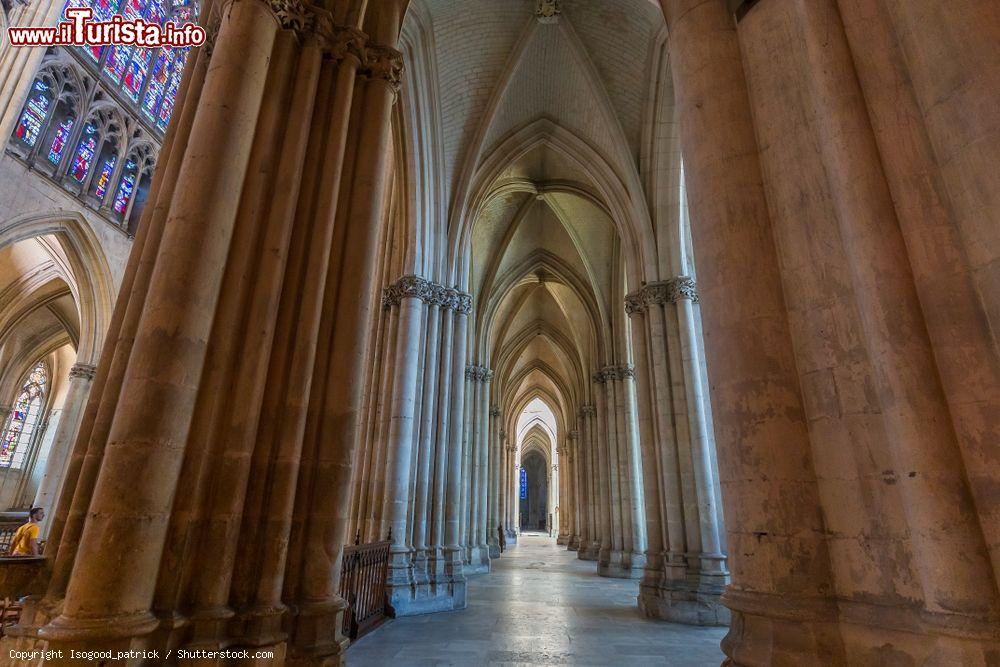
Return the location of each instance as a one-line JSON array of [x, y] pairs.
[[148, 77], [24, 417], [35, 114], [45, 127]]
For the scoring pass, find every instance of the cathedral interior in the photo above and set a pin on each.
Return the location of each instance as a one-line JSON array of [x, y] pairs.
[[467, 332]]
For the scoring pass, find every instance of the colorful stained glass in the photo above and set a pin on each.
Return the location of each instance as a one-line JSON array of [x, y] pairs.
[[84, 153], [135, 76], [34, 114], [23, 418], [167, 107], [125, 188], [157, 83], [117, 61], [104, 178], [59, 141]]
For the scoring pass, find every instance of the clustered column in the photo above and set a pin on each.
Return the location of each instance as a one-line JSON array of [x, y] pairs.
[[477, 445], [402, 485], [250, 276], [686, 569], [622, 529]]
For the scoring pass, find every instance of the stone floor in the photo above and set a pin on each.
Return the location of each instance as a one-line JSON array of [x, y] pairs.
[[540, 606]]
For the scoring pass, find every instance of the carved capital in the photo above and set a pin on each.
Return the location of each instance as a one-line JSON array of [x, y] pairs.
[[382, 62], [464, 303], [407, 287], [683, 287], [341, 41], [494, 411], [588, 411], [573, 435], [548, 11], [83, 371], [598, 377], [634, 304], [293, 15]]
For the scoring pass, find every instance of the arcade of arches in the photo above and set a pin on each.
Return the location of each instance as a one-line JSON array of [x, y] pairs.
[[707, 290]]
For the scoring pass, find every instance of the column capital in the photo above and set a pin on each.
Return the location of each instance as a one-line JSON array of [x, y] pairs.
[[478, 373], [83, 371], [614, 372], [661, 292], [587, 411], [494, 411], [573, 435], [385, 63], [407, 287]]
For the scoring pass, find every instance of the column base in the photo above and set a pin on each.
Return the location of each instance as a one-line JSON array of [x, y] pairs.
[[691, 601], [317, 637], [562, 540], [589, 551], [574, 543], [622, 565], [511, 537], [772, 629], [442, 592], [479, 560]]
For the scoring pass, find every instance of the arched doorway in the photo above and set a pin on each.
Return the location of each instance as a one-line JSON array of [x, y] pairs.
[[534, 493]]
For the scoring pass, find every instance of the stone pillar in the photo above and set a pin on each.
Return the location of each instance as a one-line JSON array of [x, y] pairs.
[[454, 556], [407, 294], [765, 457], [480, 518], [573, 475], [130, 508], [443, 415], [687, 584], [80, 378], [494, 501], [423, 510]]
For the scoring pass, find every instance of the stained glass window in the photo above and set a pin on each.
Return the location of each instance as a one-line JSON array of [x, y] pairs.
[[34, 114], [59, 141], [135, 76], [125, 188], [84, 153], [104, 177], [146, 76], [23, 418]]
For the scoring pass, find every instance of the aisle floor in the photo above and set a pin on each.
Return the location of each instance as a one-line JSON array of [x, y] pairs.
[[541, 605]]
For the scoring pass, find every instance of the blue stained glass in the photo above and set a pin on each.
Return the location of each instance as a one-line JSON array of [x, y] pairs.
[[34, 114], [59, 141], [157, 83], [101, 183], [125, 189], [84, 153], [524, 484]]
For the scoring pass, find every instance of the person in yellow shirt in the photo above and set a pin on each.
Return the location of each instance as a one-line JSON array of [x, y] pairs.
[[25, 542]]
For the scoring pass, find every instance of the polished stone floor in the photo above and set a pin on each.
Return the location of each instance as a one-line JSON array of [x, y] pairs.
[[540, 606]]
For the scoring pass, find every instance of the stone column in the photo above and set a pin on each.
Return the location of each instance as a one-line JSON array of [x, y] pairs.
[[453, 508], [593, 546], [130, 509], [80, 378], [424, 505], [574, 482], [637, 560], [757, 405], [407, 294], [482, 470], [494, 500], [443, 436]]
